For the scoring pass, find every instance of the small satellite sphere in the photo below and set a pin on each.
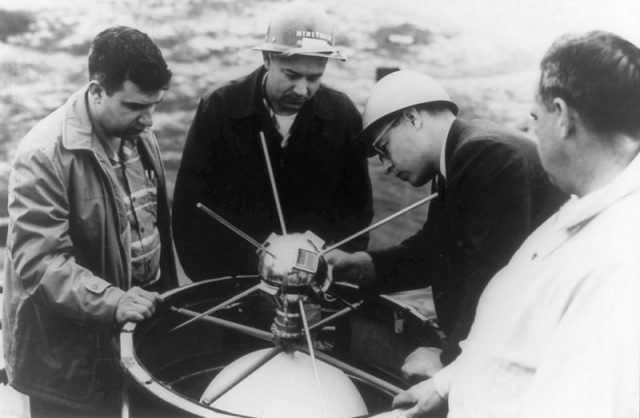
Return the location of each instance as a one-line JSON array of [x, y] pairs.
[[293, 261], [286, 386]]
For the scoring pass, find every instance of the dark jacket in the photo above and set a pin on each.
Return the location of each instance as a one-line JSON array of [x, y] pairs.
[[496, 193], [68, 261], [321, 175]]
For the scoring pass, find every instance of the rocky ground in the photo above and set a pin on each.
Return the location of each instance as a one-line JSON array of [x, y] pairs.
[[484, 52]]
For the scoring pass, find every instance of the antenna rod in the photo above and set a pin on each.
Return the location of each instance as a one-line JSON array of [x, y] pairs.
[[233, 228], [381, 222], [273, 183], [314, 364], [218, 307], [209, 398]]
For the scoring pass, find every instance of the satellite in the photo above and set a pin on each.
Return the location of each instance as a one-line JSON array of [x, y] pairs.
[[292, 272]]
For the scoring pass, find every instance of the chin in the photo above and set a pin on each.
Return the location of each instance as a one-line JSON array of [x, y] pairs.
[[132, 133], [418, 182], [293, 108]]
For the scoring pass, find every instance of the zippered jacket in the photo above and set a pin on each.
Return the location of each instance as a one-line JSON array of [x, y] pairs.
[[68, 260]]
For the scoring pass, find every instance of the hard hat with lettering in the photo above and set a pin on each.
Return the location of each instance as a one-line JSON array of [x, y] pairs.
[[301, 28], [397, 91]]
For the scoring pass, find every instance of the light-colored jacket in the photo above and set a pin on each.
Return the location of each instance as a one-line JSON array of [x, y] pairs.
[[557, 331], [68, 261]]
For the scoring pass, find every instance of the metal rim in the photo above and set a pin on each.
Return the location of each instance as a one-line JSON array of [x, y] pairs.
[[144, 378]]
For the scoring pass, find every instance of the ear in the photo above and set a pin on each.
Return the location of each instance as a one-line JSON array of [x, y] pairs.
[[96, 90], [266, 57], [413, 117], [566, 117]]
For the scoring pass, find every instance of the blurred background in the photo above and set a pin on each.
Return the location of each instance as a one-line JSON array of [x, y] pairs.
[[485, 52]]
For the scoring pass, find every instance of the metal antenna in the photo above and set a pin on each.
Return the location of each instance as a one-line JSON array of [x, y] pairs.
[[218, 307], [273, 183], [243, 329], [313, 357], [209, 398], [335, 316], [379, 223], [233, 228]]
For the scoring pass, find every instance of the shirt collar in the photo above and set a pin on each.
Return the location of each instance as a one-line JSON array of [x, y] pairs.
[[449, 144], [579, 210], [443, 159]]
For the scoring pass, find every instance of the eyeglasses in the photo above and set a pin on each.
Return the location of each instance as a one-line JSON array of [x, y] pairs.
[[380, 144]]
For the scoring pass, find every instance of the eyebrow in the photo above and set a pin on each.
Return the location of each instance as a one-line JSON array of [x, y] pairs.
[[129, 103], [297, 73]]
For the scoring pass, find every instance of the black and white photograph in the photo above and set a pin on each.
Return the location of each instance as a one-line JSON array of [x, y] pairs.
[[320, 208]]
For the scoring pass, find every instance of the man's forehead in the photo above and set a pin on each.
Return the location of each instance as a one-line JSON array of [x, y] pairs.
[[302, 64], [131, 93]]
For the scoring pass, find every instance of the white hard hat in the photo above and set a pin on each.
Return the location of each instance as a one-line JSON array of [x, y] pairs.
[[397, 91], [301, 28]]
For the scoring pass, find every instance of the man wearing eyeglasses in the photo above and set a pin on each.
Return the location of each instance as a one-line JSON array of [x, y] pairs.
[[557, 330], [492, 192]]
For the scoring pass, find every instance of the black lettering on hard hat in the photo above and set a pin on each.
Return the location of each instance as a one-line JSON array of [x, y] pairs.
[[313, 34]]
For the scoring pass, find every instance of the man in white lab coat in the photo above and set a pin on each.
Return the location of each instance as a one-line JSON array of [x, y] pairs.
[[557, 331]]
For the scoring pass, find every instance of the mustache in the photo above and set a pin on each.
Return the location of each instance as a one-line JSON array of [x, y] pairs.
[[297, 97]]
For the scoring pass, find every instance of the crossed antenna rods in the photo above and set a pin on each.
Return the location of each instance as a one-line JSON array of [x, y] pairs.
[[281, 216], [265, 335]]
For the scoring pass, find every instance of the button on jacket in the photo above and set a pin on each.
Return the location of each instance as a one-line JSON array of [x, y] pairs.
[[321, 175], [68, 260]]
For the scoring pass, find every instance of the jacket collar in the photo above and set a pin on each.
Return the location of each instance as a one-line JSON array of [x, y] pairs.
[[453, 138], [78, 132], [249, 102]]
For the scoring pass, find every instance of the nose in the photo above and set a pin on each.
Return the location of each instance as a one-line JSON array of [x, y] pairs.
[[388, 166], [146, 118], [301, 86]]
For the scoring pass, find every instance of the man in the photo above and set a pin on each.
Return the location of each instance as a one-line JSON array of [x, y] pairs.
[[492, 192], [89, 243], [557, 331], [320, 171]]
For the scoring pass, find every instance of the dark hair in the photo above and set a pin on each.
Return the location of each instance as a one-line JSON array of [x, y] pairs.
[[598, 74], [121, 53]]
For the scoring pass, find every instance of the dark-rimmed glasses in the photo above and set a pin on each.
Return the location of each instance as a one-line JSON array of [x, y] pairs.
[[380, 144]]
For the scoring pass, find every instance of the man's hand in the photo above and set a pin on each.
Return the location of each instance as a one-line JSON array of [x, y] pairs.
[[420, 401], [422, 364], [356, 268], [136, 305]]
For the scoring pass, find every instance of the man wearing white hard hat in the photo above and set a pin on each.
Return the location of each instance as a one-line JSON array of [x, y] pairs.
[[320, 170], [492, 193]]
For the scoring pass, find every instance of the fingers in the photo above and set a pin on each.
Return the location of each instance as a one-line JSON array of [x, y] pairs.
[[404, 400], [153, 297], [407, 371], [335, 257], [131, 316], [422, 363], [136, 305]]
